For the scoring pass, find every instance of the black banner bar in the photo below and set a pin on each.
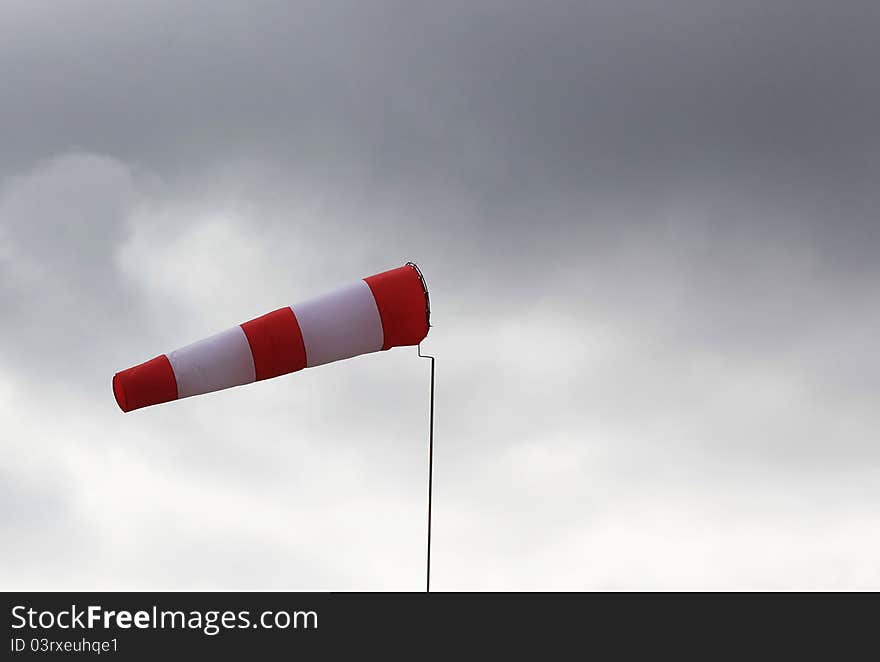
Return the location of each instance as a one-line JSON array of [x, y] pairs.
[[241, 625]]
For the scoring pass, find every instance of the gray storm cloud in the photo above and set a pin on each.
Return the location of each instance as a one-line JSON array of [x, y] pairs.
[[650, 232]]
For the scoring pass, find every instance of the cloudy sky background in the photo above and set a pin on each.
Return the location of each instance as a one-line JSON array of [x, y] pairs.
[[650, 231]]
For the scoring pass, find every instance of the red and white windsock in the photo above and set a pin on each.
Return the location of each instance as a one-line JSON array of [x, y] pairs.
[[387, 310]]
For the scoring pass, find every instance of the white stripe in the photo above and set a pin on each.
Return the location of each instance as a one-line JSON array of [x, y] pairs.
[[221, 361], [339, 325]]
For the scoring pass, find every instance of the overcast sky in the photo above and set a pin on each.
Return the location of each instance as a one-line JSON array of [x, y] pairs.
[[650, 231]]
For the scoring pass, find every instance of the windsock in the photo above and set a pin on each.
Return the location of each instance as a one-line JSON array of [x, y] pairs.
[[390, 309]]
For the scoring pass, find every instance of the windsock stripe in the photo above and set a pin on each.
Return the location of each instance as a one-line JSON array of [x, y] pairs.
[[339, 325], [221, 361], [149, 383], [276, 343], [400, 298]]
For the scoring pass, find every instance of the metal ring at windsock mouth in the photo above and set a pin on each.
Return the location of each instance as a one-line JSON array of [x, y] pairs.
[[425, 288]]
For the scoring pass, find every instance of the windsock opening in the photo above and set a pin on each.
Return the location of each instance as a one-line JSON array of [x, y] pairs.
[[402, 299]]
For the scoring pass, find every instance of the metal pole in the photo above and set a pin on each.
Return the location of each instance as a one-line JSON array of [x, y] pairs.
[[430, 469]]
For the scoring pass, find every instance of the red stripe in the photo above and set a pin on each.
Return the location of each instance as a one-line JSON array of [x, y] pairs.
[[146, 384], [276, 343], [402, 306]]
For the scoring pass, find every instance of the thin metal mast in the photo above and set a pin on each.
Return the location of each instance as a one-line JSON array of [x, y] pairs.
[[430, 426], [430, 469]]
